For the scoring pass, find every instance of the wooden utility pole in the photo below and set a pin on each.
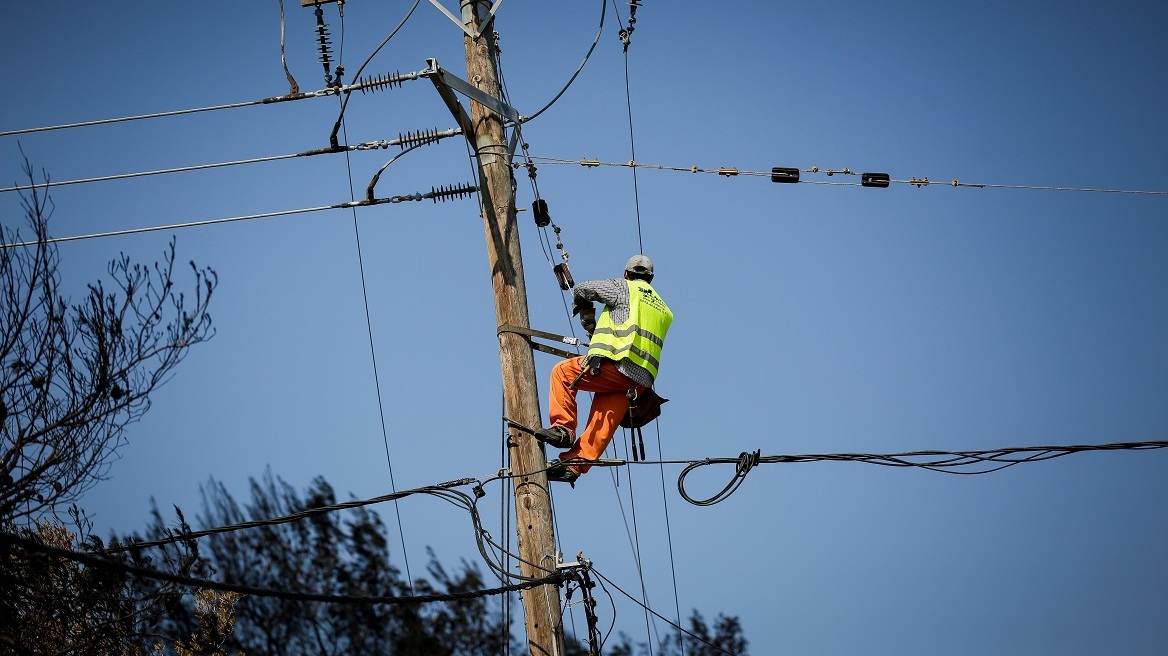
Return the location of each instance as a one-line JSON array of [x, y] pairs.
[[537, 544]]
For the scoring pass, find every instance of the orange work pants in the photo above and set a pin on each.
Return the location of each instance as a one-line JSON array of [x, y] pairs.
[[610, 403]]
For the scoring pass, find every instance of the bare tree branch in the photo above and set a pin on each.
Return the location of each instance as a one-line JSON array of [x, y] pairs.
[[73, 376]]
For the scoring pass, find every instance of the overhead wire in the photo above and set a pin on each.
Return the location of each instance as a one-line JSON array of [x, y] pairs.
[[632, 142], [435, 194], [411, 138], [445, 491], [730, 172], [139, 117], [638, 556], [947, 462], [625, 35], [668, 527], [91, 560], [187, 535], [991, 460], [365, 292], [668, 621], [198, 167], [357, 75], [346, 89], [587, 56]]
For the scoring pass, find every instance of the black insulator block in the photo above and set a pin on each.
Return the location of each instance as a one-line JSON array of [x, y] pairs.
[[784, 174], [540, 210]]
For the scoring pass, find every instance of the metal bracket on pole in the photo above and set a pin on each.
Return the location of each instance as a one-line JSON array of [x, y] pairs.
[[439, 74], [457, 21], [451, 100], [447, 84]]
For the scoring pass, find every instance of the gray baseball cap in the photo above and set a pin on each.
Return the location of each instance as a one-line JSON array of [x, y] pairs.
[[639, 264]]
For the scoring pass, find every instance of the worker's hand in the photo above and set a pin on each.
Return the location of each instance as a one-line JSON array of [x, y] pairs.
[[580, 306], [588, 321]]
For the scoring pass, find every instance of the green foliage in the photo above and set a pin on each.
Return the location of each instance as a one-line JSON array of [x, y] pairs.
[[52, 605], [341, 553]]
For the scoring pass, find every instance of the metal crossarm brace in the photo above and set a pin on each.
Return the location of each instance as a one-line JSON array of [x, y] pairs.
[[457, 21], [443, 78]]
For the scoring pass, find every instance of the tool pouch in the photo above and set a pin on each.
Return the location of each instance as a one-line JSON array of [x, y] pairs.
[[643, 408]]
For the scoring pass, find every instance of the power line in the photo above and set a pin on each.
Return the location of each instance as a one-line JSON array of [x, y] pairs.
[[435, 194], [913, 181], [660, 616], [345, 102], [139, 117], [288, 595], [297, 516], [595, 40], [948, 462], [365, 292], [372, 83], [404, 139]]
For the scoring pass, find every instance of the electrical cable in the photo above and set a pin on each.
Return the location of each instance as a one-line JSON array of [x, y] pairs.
[[505, 514], [661, 617], [196, 167], [285, 519], [435, 194], [625, 34], [368, 315], [293, 88], [632, 141], [139, 117], [913, 181], [668, 527], [288, 595], [360, 85], [599, 31], [443, 491], [650, 627], [413, 139], [544, 241], [947, 462], [357, 75]]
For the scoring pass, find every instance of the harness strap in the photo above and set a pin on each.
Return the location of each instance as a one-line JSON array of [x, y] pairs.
[[637, 436]]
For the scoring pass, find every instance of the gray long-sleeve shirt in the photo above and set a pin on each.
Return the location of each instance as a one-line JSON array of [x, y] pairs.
[[614, 293]]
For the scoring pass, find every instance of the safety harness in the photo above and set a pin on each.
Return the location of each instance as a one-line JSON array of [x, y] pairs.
[[644, 407]]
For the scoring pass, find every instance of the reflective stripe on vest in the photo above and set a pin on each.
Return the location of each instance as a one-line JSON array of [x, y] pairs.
[[640, 338]]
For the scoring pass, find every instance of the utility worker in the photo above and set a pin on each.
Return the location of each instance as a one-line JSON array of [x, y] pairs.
[[624, 355]]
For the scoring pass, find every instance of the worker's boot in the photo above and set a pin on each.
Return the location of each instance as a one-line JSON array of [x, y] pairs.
[[556, 436], [561, 473]]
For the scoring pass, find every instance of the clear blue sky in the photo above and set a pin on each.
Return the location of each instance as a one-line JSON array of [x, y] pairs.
[[811, 318]]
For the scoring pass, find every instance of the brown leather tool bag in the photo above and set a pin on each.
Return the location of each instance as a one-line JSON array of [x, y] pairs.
[[643, 408]]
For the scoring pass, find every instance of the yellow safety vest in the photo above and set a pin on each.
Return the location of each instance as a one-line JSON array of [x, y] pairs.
[[638, 339]]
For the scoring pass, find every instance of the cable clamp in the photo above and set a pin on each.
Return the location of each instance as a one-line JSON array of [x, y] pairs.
[[580, 563], [589, 162]]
